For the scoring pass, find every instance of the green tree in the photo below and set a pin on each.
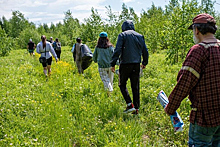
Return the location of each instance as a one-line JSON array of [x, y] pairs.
[[180, 38], [26, 35], [6, 43], [92, 28], [152, 26], [71, 27], [5, 25], [18, 23]]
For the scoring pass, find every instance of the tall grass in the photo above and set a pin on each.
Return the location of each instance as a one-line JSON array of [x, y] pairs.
[[68, 109]]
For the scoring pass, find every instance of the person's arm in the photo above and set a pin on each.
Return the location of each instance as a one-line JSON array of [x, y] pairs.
[[38, 48], [52, 51], [73, 48], [187, 78], [145, 55], [118, 50], [95, 56]]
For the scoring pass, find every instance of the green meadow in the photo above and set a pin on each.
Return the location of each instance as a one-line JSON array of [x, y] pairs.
[[68, 109]]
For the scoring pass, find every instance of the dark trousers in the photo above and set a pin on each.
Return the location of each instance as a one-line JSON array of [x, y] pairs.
[[130, 71], [58, 54]]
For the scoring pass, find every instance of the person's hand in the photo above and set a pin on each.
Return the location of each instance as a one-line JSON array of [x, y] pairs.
[[143, 66], [113, 69], [57, 59]]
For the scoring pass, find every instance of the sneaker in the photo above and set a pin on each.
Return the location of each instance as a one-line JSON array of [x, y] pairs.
[[130, 109], [135, 112]]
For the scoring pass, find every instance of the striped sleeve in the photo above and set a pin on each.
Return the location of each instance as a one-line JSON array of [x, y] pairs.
[[187, 78]]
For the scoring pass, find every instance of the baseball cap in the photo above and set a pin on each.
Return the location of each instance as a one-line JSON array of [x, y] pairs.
[[202, 18], [30, 40], [103, 34]]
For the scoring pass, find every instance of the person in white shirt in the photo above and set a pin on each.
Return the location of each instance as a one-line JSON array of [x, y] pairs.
[[41, 47]]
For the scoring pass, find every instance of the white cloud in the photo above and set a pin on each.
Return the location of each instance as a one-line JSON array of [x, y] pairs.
[[127, 1]]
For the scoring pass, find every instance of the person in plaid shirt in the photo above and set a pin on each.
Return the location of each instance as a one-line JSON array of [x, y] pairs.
[[199, 78]]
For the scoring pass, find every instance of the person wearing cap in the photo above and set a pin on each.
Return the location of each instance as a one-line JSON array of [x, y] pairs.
[[102, 55], [31, 47], [76, 50], [51, 40], [130, 47], [45, 46], [199, 79]]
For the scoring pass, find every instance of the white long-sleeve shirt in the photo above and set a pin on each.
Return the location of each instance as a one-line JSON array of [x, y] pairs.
[[49, 50]]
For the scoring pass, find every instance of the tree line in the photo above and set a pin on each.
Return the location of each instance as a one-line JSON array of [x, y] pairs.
[[163, 29]]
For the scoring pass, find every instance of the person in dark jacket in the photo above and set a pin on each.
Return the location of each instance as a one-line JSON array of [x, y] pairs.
[[130, 46]]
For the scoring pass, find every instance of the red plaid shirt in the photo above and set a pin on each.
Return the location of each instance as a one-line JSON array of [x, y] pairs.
[[199, 78]]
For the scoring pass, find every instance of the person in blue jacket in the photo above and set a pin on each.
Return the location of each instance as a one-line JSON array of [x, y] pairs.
[[130, 47], [102, 54]]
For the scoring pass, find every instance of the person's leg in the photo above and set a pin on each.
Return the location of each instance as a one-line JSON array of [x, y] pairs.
[[201, 136], [103, 72], [79, 66], [45, 71], [111, 76], [135, 80], [124, 73], [216, 138], [59, 54], [49, 62]]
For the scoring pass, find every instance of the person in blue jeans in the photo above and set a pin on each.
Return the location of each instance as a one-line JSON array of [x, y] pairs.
[[199, 79], [129, 48]]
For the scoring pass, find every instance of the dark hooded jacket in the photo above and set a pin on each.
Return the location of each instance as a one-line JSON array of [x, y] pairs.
[[130, 46]]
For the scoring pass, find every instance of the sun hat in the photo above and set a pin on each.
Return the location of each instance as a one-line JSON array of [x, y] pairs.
[[202, 18], [103, 34]]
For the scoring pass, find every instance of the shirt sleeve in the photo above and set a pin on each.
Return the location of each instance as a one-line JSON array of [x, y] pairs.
[[118, 50], [145, 54], [73, 48], [187, 78], [38, 48], [52, 51]]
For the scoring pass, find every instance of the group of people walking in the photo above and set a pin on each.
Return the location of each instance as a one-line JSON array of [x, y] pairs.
[[199, 77]]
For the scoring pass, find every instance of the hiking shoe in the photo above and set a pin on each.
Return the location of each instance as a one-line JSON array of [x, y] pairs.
[[135, 112], [130, 109]]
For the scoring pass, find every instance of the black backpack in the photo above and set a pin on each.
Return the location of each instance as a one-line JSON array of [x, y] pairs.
[[58, 46], [87, 55]]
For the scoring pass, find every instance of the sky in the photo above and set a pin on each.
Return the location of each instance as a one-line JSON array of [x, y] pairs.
[[47, 11]]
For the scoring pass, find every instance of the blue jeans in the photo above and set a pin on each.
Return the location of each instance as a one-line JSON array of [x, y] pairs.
[[204, 136]]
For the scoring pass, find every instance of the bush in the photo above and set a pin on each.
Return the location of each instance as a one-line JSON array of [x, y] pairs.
[[6, 43]]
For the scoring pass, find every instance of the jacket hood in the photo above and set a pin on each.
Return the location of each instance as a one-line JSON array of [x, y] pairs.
[[127, 25]]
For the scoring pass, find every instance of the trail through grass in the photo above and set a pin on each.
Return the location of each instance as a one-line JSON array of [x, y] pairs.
[[69, 109]]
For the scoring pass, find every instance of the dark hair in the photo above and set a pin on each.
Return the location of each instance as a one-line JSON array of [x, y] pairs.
[[206, 27], [57, 40], [103, 42], [78, 40]]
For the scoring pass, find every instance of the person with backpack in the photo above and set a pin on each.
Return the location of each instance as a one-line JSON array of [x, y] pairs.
[[57, 47], [129, 48], [31, 47], [102, 55], [76, 50], [45, 49]]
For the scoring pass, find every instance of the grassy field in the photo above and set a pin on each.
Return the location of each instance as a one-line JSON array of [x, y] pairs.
[[69, 109]]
